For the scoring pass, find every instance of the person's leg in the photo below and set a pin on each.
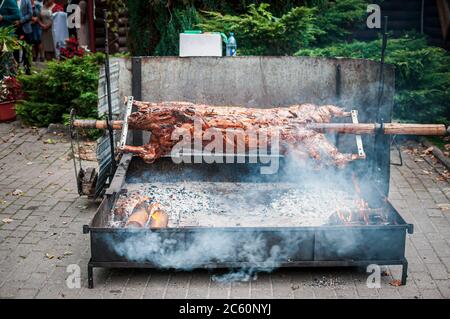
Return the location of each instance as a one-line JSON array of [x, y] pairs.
[[35, 52], [26, 58], [35, 40], [16, 55], [49, 55], [41, 52]]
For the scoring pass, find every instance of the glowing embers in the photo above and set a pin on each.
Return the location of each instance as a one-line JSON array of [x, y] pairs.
[[360, 217], [197, 204], [362, 214], [139, 211]]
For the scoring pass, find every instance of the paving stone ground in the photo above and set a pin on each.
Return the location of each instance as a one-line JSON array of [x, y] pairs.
[[44, 237]]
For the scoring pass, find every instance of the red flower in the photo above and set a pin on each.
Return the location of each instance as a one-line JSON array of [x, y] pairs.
[[57, 8], [72, 49], [11, 89]]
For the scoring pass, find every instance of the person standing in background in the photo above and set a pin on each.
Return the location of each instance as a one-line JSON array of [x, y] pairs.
[[45, 21], [9, 13], [37, 32], [60, 32], [24, 30]]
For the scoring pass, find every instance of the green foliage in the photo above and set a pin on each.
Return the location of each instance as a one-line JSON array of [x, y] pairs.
[[181, 19], [259, 32], [288, 26], [8, 44], [9, 40], [40, 114], [8, 66], [115, 9], [337, 18], [142, 35], [52, 92], [422, 74]]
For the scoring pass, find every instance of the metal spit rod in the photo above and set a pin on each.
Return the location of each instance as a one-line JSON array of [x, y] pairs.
[[342, 128]]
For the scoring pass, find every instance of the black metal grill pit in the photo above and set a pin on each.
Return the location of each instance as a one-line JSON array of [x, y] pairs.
[[227, 215], [231, 216]]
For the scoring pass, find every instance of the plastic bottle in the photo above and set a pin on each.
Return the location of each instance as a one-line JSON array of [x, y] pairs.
[[231, 45]]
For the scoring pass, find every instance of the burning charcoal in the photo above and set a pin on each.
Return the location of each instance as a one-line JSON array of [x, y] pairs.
[[258, 204], [126, 204], [159, 219], [138, 219], [141, 215]]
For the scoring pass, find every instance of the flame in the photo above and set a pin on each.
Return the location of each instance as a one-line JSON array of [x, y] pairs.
[[363, 206], [363, 209], [156, 216], [345, 217]]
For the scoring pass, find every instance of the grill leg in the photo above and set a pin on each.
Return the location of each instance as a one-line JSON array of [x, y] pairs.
[[90, 276], [404, 272]]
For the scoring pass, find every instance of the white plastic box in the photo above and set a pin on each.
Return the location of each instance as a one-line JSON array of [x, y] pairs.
[[205, 44]]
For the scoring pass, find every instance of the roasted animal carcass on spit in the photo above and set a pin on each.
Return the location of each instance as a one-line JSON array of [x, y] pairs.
[[167, 120]]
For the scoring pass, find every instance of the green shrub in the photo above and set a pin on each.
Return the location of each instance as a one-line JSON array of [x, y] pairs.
[[9, 42], [422, 74], [52, 92], [284, 28], [259, 32], [141, 36], [337, 18], [181, 19]]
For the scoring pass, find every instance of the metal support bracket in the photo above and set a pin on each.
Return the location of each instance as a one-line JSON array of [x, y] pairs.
[[136, 91], [124, 135], [359, 142]]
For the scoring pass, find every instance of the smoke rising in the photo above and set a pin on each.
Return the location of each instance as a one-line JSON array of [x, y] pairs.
[[257, 250], [253, 249]]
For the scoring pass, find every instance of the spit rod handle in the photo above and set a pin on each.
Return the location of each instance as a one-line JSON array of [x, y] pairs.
[[415, 129], [102, 125], [386, 128]]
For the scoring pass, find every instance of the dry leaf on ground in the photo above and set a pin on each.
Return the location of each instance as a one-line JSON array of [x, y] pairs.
[[49, 256], [17, 192], [49, 141], [428, 150], [7, 220]]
